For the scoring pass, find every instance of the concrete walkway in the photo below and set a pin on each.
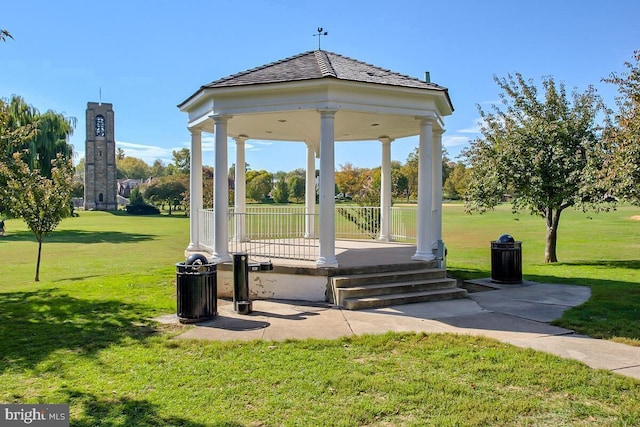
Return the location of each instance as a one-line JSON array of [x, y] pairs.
[[518, 315]]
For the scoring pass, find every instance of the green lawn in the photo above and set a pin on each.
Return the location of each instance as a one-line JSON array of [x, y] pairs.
[[83, 336], [599, 250]]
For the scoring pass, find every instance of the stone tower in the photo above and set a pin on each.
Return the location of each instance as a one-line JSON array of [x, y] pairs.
[[100, 187]]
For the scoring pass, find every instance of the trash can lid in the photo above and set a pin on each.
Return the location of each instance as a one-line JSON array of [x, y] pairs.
[[195, 259], [506, 238]]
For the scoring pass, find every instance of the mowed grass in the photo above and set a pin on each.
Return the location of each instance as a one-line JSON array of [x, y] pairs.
[[83, 336], [599, 250]]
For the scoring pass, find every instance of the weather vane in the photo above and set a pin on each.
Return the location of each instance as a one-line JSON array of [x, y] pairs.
[[321, 33]]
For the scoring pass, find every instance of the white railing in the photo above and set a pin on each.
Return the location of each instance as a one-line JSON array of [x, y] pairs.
[[404, 220], [288, 232], [357, 222]]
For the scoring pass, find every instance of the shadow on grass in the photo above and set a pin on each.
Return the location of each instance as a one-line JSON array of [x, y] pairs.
[[174, 214], [127, 412], [632, 264], [467, 273], [35, 324], [81, 236]]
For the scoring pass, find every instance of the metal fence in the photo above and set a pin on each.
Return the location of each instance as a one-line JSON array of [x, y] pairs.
[[289, 232]]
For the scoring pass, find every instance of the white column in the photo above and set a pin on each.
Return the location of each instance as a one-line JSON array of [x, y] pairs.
[[240, 190], [385, 190], [310, 193], [425, 153], [436, 192], [195, 189], [327, 256], [220, 192]]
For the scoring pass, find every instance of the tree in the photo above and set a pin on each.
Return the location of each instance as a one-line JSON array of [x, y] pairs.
[[369, 192], [297, 187], [258, 184], [622, 136], [132, 168], [280, 191], [157, 168], [349, 179], [410, 171], [455, 187], [11, 135], [548, 149], [41, 201], [50, 139], [399, 183], [166, 189], [182, 161], [137, 205]]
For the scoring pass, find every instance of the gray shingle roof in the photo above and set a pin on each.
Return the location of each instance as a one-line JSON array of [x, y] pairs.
[[320, 64]]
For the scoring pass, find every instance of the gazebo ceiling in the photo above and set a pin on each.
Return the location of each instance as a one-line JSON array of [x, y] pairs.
[[280, 101]]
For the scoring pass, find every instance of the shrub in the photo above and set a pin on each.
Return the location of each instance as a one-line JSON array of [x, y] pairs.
[[142, 209]]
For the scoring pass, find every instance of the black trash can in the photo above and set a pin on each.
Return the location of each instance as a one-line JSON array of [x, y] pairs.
[[506, 260], [197, 289]]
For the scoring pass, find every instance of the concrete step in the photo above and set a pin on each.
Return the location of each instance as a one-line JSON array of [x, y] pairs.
[[385, 268], [405, 298], [352, 280], [395, 288]]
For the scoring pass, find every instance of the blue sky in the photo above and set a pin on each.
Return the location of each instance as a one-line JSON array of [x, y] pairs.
[[146, 57]]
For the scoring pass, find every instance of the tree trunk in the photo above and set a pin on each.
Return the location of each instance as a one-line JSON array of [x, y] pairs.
[[553, 218], [37, 279]]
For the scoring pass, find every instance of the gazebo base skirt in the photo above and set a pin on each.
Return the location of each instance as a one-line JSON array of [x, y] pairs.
[[305, 281]]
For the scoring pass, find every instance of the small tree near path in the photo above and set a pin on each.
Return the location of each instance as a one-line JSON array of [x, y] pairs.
[[546, 152], [40, 201]]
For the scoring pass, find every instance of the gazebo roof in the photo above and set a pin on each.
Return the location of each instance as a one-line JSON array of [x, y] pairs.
[[277, 100]]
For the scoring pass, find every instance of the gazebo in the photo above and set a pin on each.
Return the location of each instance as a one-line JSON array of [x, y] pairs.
[[317, 98]]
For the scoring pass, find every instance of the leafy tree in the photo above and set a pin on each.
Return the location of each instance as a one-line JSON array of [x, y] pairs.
[[399, 183], [166, 189], [349, 179], [157, 169], [258, 184], [182, 161], [50, 139], [548, 149], [410, 171], [41, 201], [369, 193], [137, 205], [455, 187], [120, 154], [207, 187], [11, 135], [77, 188], [280, 191], [135, 198], [132, 168], [622, 135], [296, 185]]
